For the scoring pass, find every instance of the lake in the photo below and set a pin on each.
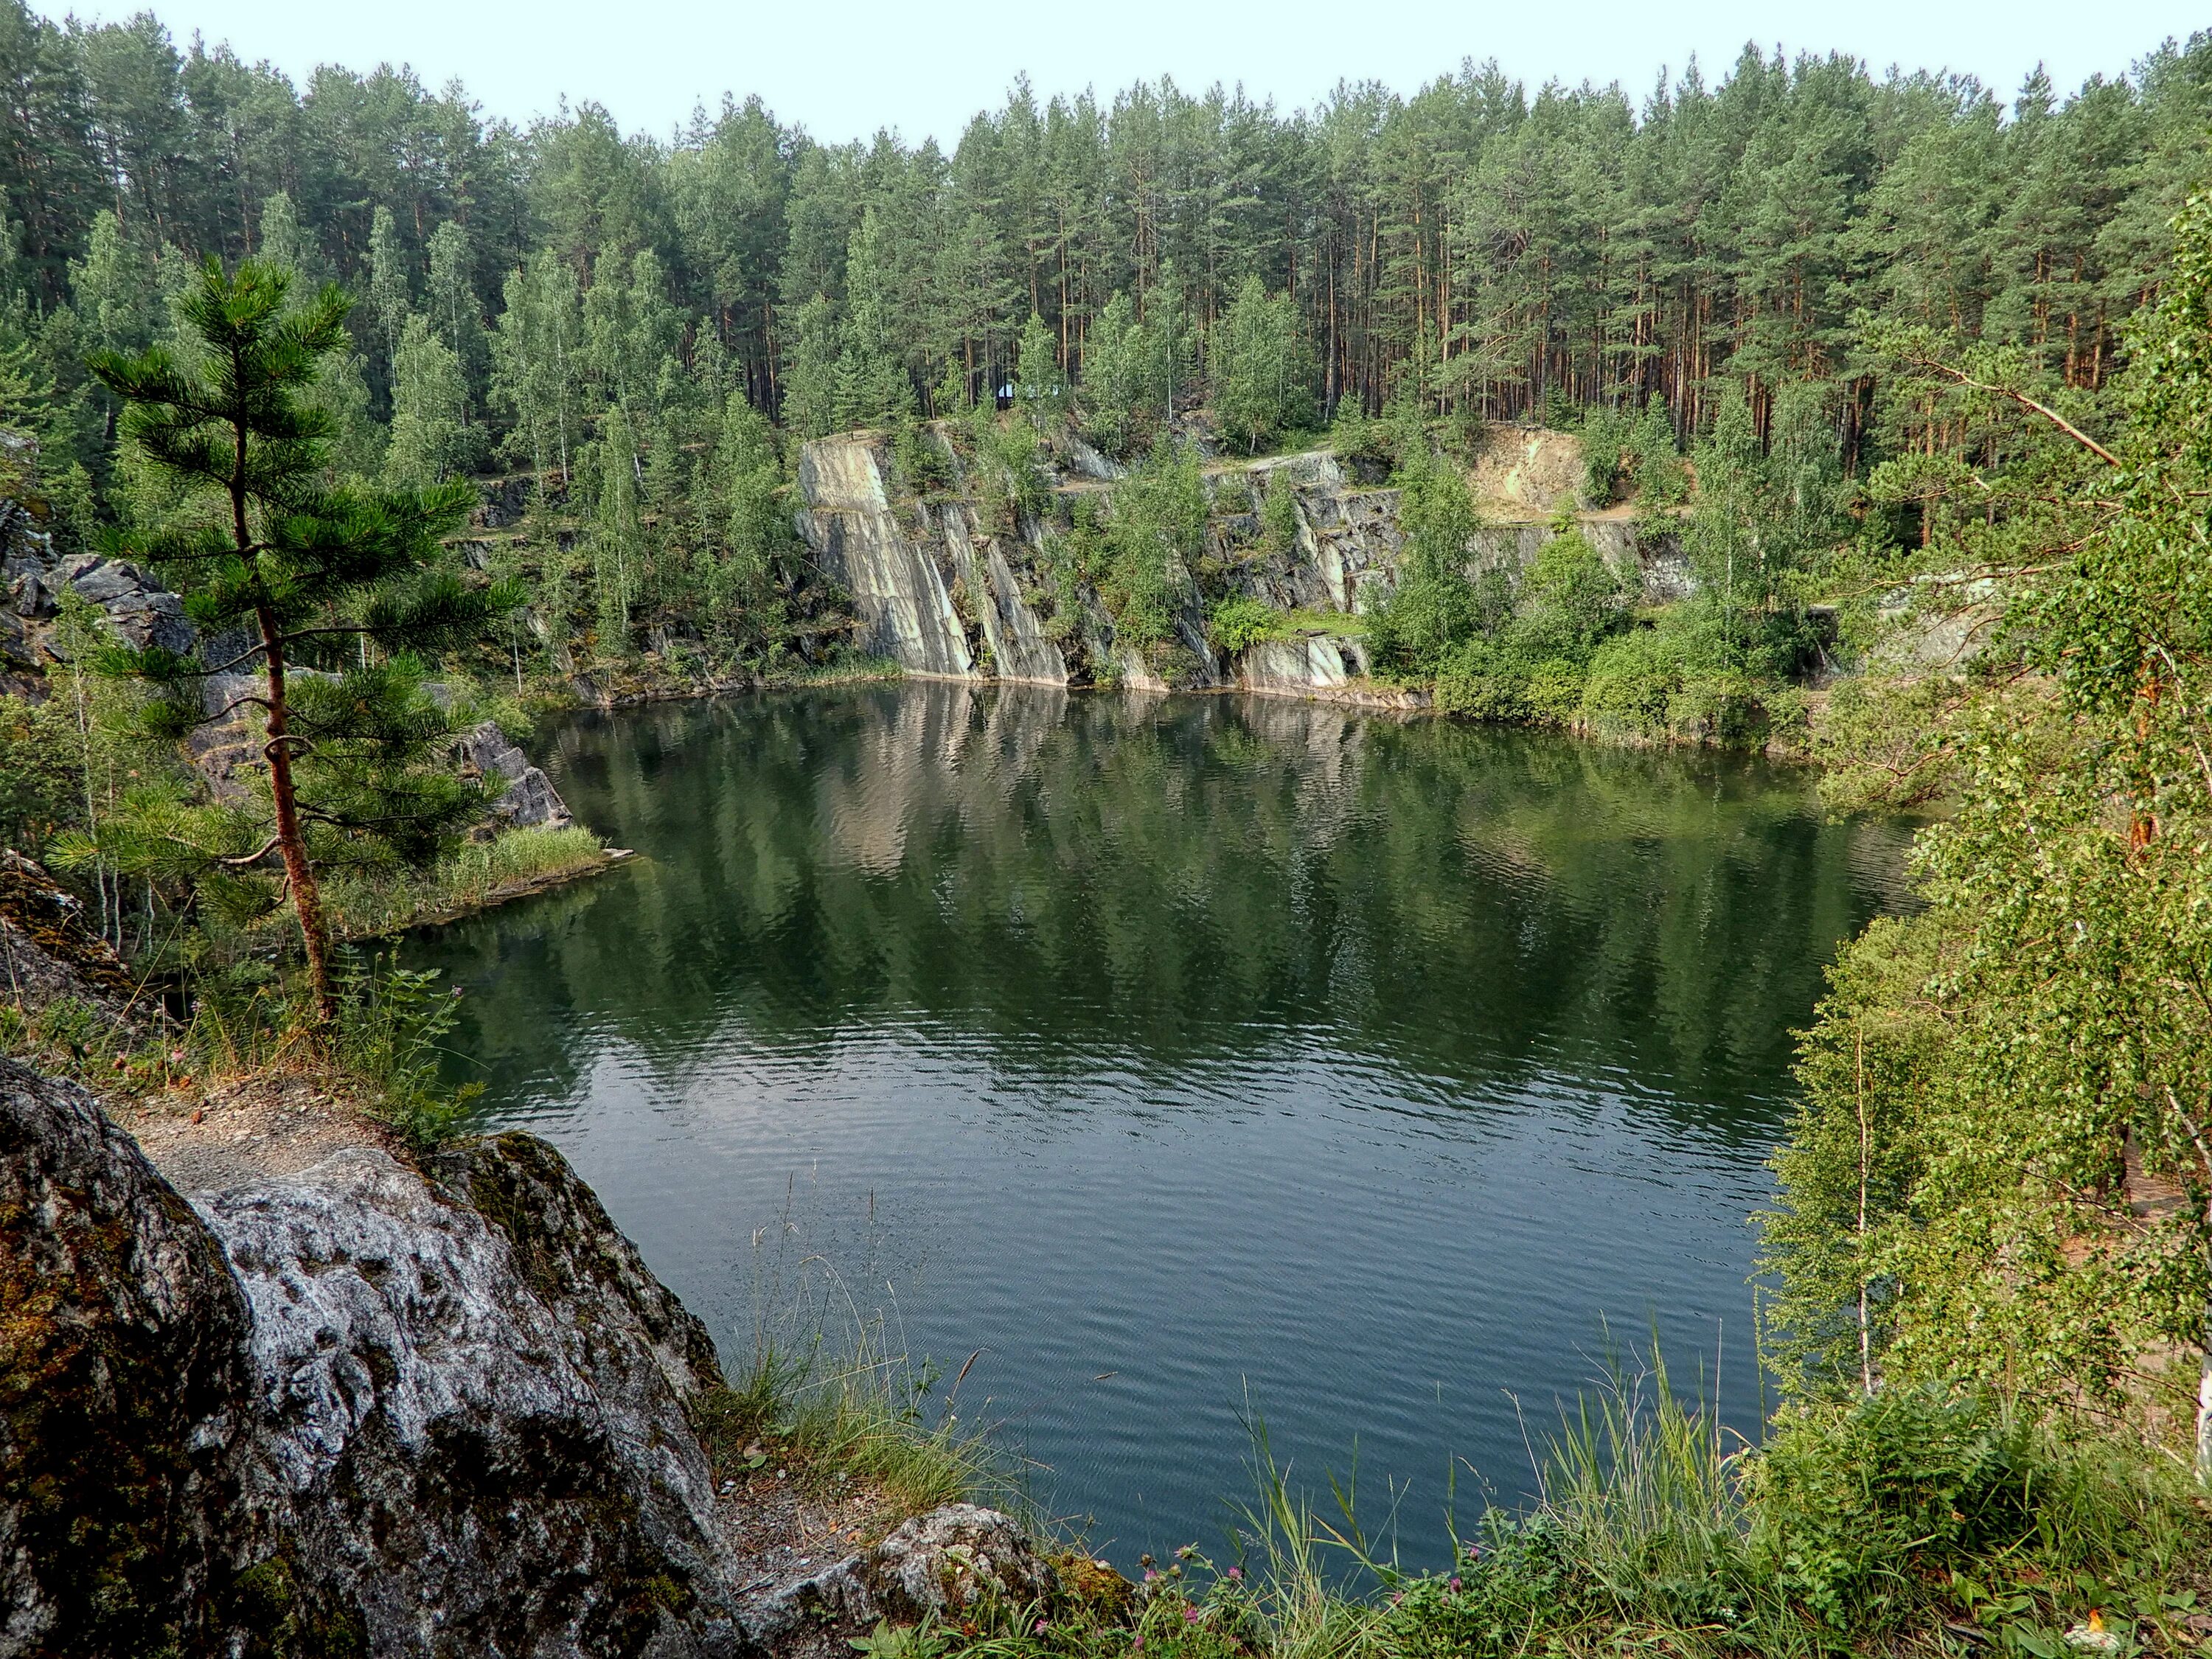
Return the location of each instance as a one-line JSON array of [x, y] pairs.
[[1197, 1059]]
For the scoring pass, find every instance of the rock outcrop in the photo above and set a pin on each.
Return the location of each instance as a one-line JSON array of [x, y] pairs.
[[943, 1565], [941, 593], [364, 1408], [527, 798], [48, 950], [342, 1412], [453, 1453], [123, 1376], [899, 591]]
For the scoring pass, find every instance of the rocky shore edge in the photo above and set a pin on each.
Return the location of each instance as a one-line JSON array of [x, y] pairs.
[[277, 1388]]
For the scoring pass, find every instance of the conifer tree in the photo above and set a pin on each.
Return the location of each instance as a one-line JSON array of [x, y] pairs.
[[312, 576]]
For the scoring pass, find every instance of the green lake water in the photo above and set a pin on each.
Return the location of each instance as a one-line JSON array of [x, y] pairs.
[[1195, 1058]]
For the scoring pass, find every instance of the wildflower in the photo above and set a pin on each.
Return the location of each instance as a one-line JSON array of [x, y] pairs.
[[1190, 1615], [2094, 1637], [1237, 1572], [1150, 1575], [1396, 1596], [1455, 1586], [1040, 1629], [176, 1056], [1137, 1646]]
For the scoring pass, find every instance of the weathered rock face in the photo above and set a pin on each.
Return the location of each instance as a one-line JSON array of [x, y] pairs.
[[459, 1454], [47, 948], [937, 1565], [899, 594], [527, 798], [937, 590], [123, 1379], [347, 1412], [362, 1410]]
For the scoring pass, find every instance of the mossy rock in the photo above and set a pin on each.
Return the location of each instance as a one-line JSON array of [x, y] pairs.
[[122, 1360]]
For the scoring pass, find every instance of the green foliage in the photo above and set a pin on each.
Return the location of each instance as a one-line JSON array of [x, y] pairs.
[[536, 363], [1039, 382], [1155, 536], [1606, 436], [1852, 1499], [1279, 518], [1259, 370], [1008, 477], [305, 570], [391, 1026], [1126, 380], [432, 441], [1239, 622], [2034, 1049], [1435, 608]]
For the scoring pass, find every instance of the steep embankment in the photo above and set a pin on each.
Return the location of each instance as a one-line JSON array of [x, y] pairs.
[[935, 588]]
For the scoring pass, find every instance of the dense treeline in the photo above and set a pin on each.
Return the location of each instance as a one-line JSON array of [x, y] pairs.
[[1497, 251]]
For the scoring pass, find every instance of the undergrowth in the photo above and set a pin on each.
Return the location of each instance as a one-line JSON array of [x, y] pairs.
[[1907, 1523], [382, 1054]]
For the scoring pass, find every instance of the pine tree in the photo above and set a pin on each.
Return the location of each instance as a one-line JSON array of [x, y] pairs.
[[312, 573]]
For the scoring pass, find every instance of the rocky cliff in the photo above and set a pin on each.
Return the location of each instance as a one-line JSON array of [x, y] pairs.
[[938, 591], [363, 1408]]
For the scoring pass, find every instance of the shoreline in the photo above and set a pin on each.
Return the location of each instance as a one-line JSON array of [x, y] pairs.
[[1410, 702]]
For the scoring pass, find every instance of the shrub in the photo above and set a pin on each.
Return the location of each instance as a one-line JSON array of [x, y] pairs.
[[1632, 678], [1853, 1505], [1475, 681], [1555, 691], [1240, 621]]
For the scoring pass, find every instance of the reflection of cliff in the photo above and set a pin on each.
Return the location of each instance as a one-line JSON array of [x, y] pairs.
[[935, 589], [1165, 875]]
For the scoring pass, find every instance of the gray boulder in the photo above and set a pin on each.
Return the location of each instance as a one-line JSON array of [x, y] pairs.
[[951, 1561], [138, 608], [467, 1457], [348, 1411], [529, 797]]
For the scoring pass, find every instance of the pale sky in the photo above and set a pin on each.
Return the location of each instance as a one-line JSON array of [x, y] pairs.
[[845, 70]]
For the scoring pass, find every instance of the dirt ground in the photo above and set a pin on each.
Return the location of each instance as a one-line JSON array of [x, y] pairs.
[[234, 1132]]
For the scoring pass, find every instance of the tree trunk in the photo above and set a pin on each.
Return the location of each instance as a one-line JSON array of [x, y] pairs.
[[2204, 1385], [306, 897]]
